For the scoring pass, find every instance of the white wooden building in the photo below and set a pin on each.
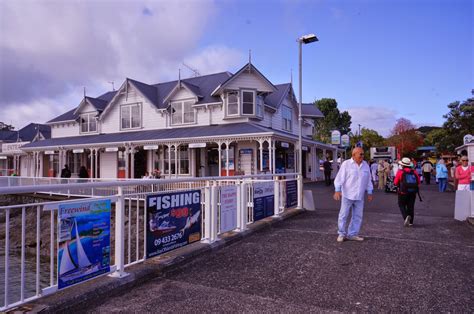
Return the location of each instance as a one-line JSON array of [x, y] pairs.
[[214, 125]]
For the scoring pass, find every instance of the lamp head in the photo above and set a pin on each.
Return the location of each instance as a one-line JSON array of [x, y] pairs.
[[309, 38]]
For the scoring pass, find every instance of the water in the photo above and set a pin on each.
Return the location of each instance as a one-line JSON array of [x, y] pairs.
[[15, 276]]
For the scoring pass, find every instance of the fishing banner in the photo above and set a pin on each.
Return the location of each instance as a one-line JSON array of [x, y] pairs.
[[263, 200], [173, 221], [83, 241]]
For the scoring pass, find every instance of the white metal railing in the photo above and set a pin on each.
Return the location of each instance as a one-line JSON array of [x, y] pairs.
[[29, 243]]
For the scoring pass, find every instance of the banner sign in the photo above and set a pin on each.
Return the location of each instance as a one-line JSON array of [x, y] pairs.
[[335, 137], [228, 202], [291, 193], [197, 145], [78, 150], [83, 241], [111, 149], [174, 220], [13, 148], [263, 200], [150, 147]]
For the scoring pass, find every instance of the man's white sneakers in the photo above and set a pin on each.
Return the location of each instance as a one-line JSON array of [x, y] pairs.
[[407, 221], [340, 239]]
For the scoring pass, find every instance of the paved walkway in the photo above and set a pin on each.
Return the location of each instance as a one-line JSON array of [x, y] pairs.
[[297, 266]]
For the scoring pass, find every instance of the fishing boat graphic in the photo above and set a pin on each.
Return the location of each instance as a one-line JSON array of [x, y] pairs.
[[76, 265]]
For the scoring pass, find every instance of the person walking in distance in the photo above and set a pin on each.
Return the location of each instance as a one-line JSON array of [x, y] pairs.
[[373, 171], [351, 183], [407, 181], [442, 175], [381, 175], [427, 170], [327, 172], [65, 172]]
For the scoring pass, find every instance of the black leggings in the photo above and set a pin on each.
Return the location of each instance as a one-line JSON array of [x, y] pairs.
[[406, 202]]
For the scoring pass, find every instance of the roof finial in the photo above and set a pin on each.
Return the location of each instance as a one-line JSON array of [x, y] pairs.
[[250, 60], [113, 87], [179, 78], [84, 92], [291, 76]]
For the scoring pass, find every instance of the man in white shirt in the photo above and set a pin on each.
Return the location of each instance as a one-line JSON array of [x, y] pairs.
[[351, 182]]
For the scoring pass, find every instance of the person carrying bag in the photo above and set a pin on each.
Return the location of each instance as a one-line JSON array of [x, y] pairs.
[[407, 181]]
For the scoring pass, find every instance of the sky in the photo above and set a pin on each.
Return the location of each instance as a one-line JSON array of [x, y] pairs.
[[380, 59]]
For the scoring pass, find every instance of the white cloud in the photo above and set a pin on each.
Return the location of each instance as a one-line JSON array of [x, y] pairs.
[[379, 119], [49, 50]]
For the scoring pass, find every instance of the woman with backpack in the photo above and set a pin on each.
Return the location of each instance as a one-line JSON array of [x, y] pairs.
[[407, 181]]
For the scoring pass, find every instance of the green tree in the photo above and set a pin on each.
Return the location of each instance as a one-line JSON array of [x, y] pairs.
[[369, 138], [459, 122], [333, 120]]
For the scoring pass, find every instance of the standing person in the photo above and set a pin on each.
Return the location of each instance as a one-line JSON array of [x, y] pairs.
[[463, 174], [83, 173], [442, 175], [407, 181], [381, 175], [427, 170], [373, 170], [65, 172], [327, 172], [351, 183], [395, 168]]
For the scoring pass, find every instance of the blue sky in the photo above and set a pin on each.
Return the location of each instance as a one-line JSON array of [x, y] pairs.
[[381, 60]]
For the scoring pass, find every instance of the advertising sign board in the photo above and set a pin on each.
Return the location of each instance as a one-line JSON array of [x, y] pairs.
[[335, 137], [173, 221], [263, 200], [345, 140], [83, 241], [291, 193], [228, 202]]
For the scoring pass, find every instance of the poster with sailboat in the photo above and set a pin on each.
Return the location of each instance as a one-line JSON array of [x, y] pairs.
[[83, 241]]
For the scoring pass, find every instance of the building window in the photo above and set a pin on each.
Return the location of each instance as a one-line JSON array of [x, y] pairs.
[[182, 112], [182, 158], [232, 103], [259, 106], [287, 118], [248, 102], [130, 116], [88, 123]]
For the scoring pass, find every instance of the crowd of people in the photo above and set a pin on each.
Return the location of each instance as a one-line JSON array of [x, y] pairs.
[[357, 177]]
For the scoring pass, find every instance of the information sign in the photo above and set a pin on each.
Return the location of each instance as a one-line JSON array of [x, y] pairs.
[[263, 200], [228, 216], [291, 193]]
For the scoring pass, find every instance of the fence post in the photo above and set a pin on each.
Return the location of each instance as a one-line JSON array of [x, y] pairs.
[[119, 236], [207, 213], [242, 206], [276, 198], [214, 212], [300, 191]]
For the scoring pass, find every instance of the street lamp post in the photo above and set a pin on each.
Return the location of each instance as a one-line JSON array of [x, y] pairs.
[[305, 39]]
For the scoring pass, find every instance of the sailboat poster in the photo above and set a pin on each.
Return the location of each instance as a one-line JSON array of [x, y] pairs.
[[83, 241]]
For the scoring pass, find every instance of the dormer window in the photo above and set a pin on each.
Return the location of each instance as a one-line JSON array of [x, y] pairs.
[[182, 112], [248, 102], [232, 103], [130, 116], [88, 123]]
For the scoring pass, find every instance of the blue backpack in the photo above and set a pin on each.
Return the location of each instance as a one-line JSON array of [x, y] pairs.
[[409, 183]]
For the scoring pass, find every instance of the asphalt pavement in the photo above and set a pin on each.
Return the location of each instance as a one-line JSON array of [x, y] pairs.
[[297, 266]]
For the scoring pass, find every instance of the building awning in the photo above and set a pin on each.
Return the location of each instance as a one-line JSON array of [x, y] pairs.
[[186, 135]]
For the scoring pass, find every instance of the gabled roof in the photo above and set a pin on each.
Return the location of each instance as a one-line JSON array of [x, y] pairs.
[[311, 111], [180, 84], [97, 103], [27, 133], [248, 66], [150, 92], [275, 99]]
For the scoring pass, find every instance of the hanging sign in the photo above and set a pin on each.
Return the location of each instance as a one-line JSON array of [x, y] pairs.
[[111, 149], [174, 221], [83, 241], [345, 140], [150, 147], [468, 138], [284, 145], [197, 145], [49, 152], [3, 157], [335, 137], [228, 202], [78, 150], [263, 200], [305, 148]]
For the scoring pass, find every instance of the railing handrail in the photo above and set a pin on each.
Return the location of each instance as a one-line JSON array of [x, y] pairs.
[[131, 182]]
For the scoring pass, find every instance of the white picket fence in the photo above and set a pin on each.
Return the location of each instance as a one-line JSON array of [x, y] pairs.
[[29, 275]]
